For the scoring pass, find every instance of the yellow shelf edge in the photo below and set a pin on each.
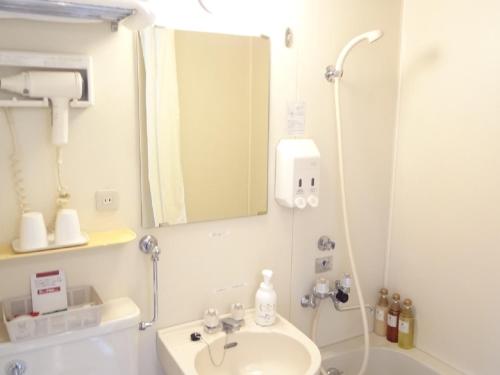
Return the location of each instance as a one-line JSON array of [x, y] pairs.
[[96, 239]]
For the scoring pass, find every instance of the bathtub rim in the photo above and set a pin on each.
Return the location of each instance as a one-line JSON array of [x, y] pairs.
[[376, 342]]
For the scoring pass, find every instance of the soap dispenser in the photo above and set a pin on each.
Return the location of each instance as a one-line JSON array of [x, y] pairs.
[[297, 173], [265, 301]]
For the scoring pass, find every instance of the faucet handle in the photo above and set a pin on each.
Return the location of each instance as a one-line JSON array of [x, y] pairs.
[[322, 287], [342, 296], [238, 311], [211, 320], [344, 288], [346, 281]]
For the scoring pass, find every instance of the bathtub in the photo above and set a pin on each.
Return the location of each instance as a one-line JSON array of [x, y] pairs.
[[385, 359]]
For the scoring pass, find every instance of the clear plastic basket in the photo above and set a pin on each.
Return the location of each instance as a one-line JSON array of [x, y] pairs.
[[84, 310]]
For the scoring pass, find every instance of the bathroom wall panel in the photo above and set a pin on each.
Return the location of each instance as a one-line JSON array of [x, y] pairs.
[[199, 260], [202, 265], [445, 235], [368, 100]]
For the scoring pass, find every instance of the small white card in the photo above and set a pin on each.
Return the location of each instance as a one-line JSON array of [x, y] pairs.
[[296, 118], [48, 292]]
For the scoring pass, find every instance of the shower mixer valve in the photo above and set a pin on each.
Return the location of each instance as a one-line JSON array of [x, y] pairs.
[[338, 294]]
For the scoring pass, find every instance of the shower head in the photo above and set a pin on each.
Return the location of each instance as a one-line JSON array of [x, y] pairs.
[[370, 37]]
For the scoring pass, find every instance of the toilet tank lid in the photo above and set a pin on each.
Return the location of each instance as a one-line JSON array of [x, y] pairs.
[[117, 314]]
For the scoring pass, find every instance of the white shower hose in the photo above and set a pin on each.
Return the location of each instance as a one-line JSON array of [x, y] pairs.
[[348, 240]]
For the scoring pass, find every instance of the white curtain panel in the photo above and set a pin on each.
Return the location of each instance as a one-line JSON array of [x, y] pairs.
[[164, 169]]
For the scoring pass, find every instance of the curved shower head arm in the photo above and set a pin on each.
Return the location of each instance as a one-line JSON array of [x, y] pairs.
[[370, 37]]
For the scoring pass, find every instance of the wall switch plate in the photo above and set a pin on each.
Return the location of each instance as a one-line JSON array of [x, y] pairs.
[[107, 200], [324, 264]]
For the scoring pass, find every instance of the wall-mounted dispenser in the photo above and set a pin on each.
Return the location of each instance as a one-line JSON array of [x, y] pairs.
[[297, 173]]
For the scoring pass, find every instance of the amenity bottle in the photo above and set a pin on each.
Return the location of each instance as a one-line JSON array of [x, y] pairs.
[[393, 319], [381, 310], [406, 325], [265, 301]]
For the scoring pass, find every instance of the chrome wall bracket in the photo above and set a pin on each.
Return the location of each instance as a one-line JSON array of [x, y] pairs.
[[331, 73], [288, 38], [149, 245], [17, 367], [325, 243]]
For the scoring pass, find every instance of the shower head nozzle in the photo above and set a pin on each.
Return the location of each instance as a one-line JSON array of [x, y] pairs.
[[374, 35], [370, 37]]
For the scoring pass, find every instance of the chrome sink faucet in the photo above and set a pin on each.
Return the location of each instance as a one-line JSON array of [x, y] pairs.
[[213, 324], [230, 325]]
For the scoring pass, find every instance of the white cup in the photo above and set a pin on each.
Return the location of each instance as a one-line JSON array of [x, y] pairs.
[[32, 231], [67, 229]]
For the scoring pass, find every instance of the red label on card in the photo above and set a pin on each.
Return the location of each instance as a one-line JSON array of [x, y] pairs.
[[46, 274], [49, 290]]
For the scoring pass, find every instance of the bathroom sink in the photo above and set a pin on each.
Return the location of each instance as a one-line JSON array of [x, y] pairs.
[[276, 350]]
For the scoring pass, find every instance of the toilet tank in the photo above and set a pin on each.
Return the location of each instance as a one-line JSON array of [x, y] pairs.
[[109, 349]]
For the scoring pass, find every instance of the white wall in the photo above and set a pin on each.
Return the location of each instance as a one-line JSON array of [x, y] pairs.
[[104, 153], [445, 234], [368, 98]]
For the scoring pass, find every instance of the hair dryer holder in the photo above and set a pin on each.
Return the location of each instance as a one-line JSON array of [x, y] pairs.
[[12, 62]]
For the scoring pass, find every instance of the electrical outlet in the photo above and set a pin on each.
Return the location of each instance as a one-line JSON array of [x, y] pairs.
[[324, 264], [107, 200]]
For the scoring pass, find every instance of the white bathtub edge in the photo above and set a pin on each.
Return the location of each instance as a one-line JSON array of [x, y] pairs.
[[356, 343]]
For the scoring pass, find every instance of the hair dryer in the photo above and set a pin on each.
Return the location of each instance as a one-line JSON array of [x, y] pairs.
[[58, 87]]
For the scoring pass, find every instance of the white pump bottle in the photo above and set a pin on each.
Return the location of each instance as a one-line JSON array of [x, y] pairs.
[[265, 301]]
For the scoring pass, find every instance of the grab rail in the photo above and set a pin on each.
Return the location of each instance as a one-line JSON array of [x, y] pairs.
[[149, 245]]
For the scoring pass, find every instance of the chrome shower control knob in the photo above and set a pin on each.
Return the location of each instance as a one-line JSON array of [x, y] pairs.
[[346, 281], [16, 368], [325, 243], [308, 301], [322, 286], [148, 244]]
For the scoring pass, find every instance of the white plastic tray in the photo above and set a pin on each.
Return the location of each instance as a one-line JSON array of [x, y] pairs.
[[84, 310], [84, 239]]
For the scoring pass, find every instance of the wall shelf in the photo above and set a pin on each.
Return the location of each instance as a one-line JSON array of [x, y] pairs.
[[96, 239]]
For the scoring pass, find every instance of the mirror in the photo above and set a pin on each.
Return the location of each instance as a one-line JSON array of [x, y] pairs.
[[204, 104]]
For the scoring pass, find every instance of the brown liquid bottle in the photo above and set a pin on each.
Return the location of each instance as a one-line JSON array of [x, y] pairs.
[[393, 319]]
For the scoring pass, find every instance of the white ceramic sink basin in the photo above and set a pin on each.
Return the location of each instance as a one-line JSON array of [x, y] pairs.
[[277, 350]]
